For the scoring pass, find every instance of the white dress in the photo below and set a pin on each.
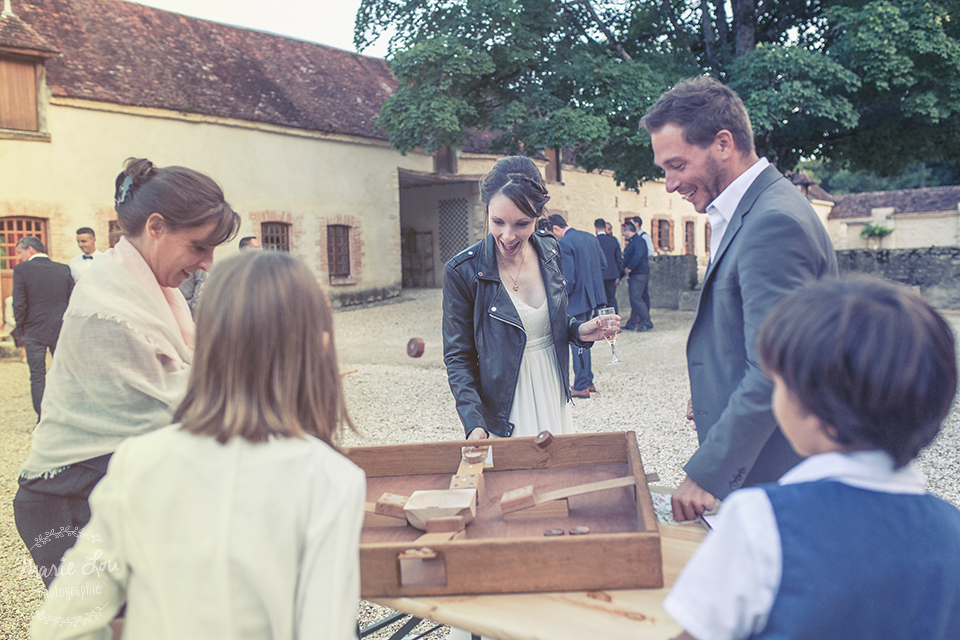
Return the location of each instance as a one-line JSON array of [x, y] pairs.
[[540, 402]]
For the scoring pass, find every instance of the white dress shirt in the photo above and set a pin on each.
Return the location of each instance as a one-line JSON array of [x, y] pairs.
[[79, 265], [728, 587], [721, 210], [204, 540]]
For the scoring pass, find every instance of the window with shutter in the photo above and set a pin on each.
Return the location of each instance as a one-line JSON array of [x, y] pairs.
[[338, 250]]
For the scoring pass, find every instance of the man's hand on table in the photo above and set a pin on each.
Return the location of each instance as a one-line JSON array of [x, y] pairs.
[[690, 500]]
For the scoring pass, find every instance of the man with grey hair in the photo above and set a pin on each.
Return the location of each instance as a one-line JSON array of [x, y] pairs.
[[766, 241], [41, 291]]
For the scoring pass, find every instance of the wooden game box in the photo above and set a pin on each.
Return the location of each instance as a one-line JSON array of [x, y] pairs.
[[497, 555]]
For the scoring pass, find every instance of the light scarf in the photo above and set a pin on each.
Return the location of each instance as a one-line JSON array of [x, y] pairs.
[[121, 363]]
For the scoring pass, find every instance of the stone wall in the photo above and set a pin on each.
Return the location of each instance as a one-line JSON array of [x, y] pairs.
[[670, 278], [935, 271]]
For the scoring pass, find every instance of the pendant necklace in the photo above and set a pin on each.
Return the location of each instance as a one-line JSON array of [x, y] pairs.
[[523, 256]]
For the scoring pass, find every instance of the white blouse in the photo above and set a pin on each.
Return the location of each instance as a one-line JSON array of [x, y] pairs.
[[203, 540]]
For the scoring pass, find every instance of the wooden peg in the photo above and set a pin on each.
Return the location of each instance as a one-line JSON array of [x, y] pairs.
[[543, 439]]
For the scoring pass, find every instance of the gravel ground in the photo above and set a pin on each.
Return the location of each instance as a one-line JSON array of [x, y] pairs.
[[396, 399]]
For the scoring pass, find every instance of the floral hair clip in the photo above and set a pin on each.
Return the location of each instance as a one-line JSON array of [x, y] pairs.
[[125, 189]]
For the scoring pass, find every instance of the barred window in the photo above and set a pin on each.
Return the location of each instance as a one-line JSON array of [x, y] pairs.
[[12, 231], [338, 250], [275, 235]]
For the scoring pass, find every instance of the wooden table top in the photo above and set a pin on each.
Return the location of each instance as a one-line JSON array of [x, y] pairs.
[[635, 614]]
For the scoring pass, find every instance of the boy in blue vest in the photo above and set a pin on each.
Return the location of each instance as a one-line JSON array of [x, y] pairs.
[[847, 545]]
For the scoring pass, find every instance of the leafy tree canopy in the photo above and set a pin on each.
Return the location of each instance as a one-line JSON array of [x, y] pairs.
[[871, 86]]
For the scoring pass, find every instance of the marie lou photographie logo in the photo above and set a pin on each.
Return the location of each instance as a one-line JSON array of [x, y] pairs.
[[93, 569]]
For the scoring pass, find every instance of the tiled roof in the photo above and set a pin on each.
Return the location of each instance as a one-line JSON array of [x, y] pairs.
[[929, 200], [809, 186], [129, 54], [17, 34]]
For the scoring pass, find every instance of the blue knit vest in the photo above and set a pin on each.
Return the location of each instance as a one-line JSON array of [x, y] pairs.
[[864, 565]]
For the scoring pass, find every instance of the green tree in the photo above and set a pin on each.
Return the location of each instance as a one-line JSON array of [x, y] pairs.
[[869, 85]]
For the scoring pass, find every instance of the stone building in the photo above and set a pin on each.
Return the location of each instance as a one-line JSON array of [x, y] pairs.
[[916, 218], [286, 127]]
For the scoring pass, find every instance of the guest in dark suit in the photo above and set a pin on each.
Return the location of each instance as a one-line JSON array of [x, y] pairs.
[[41, 291], [766, 241], [583, 265], [636, 266], [614, 258]]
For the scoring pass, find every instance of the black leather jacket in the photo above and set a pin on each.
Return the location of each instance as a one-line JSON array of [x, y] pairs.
[[483, 337]]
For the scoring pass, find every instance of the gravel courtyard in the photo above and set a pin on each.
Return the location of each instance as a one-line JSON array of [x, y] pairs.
[[397, 399]]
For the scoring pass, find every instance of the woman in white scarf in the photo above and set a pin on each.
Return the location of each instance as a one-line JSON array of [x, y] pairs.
[[124, 352]]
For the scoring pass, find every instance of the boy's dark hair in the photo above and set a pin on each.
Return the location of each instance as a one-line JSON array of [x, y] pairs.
[[702, 107], [638, 221], [245, 240], [869, 358], [600, 223], [87, 230], [631, 226]]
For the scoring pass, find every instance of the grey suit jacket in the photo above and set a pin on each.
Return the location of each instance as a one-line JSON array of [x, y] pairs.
[[773, 244]]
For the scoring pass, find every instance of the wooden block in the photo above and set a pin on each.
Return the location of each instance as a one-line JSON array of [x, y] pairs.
[[467, 469], [426, 505], [590, 487], [372, 520], [652, 477], [442, 525], [543, 439], [421, 568], [390, 504], [469, 482], [434, 538], [518, 499], [552, 509]]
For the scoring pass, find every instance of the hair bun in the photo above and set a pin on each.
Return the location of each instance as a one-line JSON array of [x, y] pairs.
[[137, 171]]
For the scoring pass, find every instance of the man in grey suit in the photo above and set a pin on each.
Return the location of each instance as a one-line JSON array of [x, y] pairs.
[[766, 241]]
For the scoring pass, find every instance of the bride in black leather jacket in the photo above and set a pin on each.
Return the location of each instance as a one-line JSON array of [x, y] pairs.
[[505, 325]]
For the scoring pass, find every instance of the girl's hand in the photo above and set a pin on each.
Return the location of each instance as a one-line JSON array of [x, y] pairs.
[[477, 434], [591, 330]]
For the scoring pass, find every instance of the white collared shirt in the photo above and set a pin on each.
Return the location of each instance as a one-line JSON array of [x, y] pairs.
[[721, 210], [727, 589], [78, 265], [37, 255]]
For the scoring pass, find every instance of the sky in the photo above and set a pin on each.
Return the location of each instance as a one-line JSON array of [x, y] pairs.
[[328, 22]]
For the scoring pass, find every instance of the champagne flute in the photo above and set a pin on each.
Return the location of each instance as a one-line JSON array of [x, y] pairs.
[[608, 321]]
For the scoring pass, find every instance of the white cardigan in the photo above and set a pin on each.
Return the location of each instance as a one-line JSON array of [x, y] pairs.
[[207, 541]]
